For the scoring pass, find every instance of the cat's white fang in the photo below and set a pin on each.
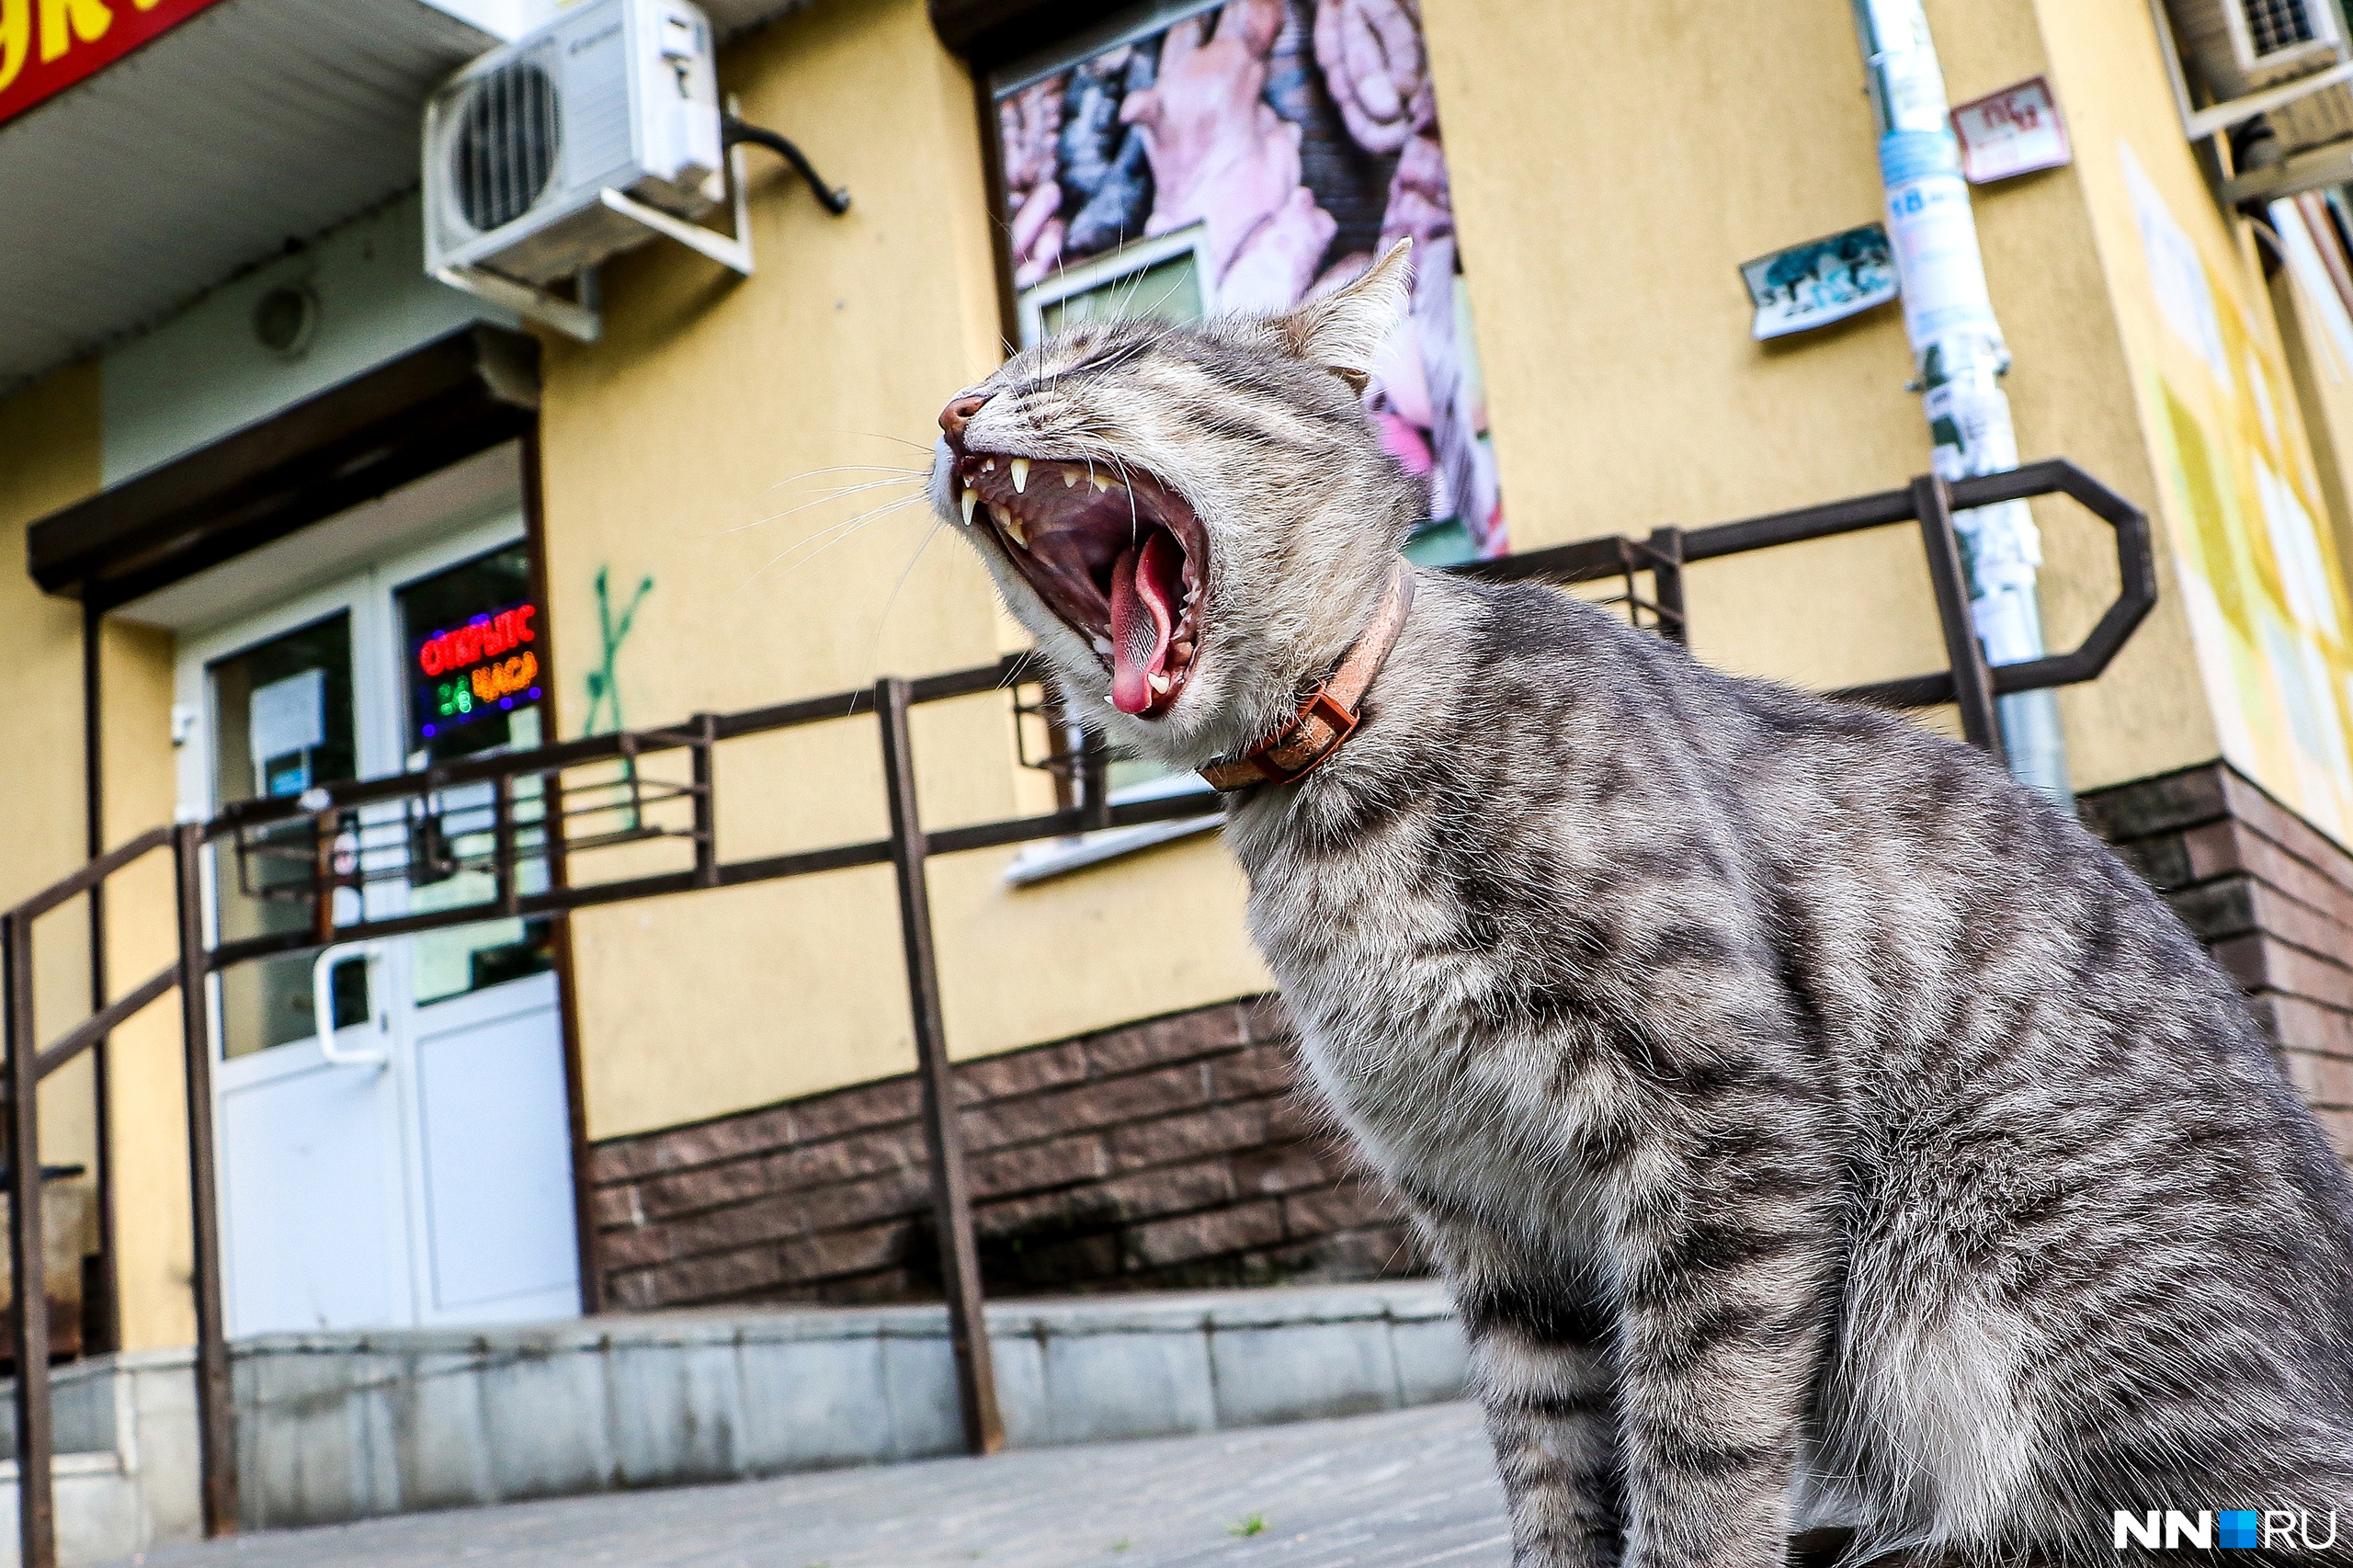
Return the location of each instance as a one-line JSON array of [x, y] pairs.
[[1159, 682], [1100, 483], [988, 465], [1012, 523], [971, 499], [1020, 470], [1070, 478]]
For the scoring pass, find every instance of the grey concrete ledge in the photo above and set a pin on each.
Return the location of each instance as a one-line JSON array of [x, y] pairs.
[[335, 1426], [1409, 1301], [338, 1426]]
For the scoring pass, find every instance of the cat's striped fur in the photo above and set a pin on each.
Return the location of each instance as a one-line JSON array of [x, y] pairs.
[[1815, 1126]]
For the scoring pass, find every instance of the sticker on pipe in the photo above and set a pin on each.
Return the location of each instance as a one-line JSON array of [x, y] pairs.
[[2014, 131], [1819, 282]]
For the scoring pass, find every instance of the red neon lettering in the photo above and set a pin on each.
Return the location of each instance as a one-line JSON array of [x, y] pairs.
[[484, 637]]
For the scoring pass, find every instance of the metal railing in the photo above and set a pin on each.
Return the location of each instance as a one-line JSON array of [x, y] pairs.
[[514, 816]]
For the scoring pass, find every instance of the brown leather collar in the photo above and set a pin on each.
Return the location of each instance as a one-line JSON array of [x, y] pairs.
[[1328, 717]]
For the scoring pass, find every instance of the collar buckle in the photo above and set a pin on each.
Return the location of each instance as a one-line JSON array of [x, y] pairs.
[[1329, 716]]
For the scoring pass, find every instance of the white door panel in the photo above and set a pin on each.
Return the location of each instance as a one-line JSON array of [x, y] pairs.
[[496, 1147], [436, 1188], [312, 1192]]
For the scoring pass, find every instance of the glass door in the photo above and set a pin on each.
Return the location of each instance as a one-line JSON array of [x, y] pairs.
[[393, 1124], [312, 1173], [484, 1051]]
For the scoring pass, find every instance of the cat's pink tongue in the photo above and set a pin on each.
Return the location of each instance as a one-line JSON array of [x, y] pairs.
[[1144, 585]]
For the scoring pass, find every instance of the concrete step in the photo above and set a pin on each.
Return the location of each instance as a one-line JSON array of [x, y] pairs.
[[346, 1425], [339, 1426]]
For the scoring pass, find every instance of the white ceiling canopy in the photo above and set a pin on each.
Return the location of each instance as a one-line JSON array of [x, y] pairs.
[[254, 125]]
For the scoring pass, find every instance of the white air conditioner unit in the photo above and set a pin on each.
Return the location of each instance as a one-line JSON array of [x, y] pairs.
[[2285, 62], [2243, 46], [575, 141]]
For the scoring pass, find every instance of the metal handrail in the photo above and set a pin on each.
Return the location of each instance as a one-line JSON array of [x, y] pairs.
[[1662, 556]]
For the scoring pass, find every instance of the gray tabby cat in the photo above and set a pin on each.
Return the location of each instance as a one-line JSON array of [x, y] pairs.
[[1815, 1127]]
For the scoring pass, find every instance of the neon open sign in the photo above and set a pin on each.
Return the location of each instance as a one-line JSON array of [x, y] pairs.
[[482, 665]]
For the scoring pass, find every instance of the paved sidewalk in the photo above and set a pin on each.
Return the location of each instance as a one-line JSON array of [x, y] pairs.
[[1402, 1490]]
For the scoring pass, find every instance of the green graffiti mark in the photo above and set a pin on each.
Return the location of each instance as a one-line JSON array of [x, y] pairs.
[[604, 687]]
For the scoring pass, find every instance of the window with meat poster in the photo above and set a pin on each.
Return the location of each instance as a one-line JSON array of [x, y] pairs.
[[1187, 159]]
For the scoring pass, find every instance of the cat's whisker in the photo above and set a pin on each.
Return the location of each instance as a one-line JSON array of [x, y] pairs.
[[924, 447], [1014, 672], [843, 468], [839, 493], [882, 621], [842, 532], [847, 525]]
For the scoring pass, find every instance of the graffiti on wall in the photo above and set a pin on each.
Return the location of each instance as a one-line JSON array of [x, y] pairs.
[[2258, 566], [612, 630]]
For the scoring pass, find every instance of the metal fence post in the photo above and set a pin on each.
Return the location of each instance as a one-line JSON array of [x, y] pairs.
[[705, 731], [1972, 684], [215, 1405], [36, 1513], [1667, 584], [952, 1194]]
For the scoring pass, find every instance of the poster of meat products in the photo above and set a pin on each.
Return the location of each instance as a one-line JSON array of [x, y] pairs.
[[1246, 157]]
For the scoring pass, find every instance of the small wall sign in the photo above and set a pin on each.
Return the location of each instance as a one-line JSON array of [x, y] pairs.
[[1820, 281], [2014, 132]]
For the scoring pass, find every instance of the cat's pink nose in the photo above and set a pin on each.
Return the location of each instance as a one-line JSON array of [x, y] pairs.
[[959, 414]]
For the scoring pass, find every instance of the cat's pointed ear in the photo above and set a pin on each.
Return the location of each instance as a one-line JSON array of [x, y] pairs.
[[1343, 331]]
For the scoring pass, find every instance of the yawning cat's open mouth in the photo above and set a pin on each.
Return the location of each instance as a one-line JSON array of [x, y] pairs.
[[1120, 556]]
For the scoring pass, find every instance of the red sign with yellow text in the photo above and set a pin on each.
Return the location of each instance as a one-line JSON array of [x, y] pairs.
[[46, 46]]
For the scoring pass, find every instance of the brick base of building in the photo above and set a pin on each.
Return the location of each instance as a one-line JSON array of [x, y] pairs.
[[1164, 1154], [1173, 1152], [2271, 896]]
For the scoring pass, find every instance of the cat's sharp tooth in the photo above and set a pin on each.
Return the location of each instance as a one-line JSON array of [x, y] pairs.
[[1014, 527], [1159, 682], [988, 465], [1020, 470], [1100, 483], [1070, 478], [971, 499]]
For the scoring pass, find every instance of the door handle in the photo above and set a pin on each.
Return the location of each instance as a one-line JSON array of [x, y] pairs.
[[323, 1002]]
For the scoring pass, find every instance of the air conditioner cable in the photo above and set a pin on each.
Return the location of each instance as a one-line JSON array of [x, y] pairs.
[[833, 199]]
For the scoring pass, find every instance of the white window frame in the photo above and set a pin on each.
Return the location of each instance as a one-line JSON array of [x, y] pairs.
[[1058, 857], [1098, 271]]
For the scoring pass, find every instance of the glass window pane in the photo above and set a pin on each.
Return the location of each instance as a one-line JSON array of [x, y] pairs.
[[470, 641], [1303, 154], [1165, 290], [469, 636], [283, 722]]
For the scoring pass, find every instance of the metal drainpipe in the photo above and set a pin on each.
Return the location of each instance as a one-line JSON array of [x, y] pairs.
[[1959, 355]]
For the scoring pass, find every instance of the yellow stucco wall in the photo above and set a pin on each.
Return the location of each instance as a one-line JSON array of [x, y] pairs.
[[50, 438], [1602, 231], [696, 446], [2240, 392], [49, 459], [711, 405], [149, 1095]]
